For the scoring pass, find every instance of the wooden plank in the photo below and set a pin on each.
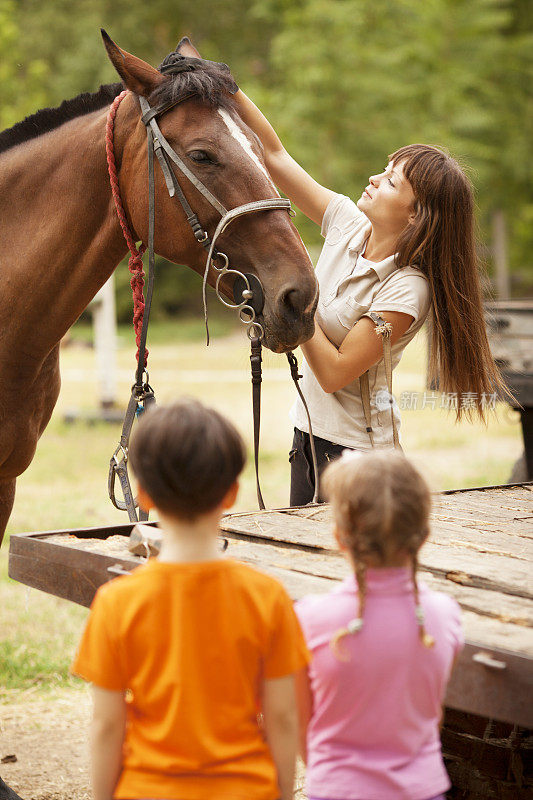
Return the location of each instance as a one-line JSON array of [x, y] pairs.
[[515, 531], [493, 571], [281, 527], [495, 605], [322, 564], [318, 513], [298, 584], [43, 560], [503, 495], [61, 570], [508, 489], [478, 628], [470, 513], [516, 492], [476, 512], [496, 541]]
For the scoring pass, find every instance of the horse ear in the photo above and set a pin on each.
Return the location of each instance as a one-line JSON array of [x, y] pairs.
[[138, 76], [186, 48]]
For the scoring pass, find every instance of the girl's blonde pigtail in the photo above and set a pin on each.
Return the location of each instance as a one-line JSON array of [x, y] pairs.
[[426, 638], [355, 625]]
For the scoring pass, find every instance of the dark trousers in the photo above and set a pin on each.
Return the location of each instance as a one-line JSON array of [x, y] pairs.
[[302, 476]]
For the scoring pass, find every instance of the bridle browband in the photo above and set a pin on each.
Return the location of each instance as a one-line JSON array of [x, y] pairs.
[[247, 288]]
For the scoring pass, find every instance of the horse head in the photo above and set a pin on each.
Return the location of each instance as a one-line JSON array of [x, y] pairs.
[[203, 127]]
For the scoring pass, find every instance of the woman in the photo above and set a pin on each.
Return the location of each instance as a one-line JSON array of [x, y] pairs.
[[404, 250]]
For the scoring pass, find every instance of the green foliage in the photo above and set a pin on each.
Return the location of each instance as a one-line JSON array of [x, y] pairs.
[[178, 290], [345, 82], [368, 77], [21, 78]]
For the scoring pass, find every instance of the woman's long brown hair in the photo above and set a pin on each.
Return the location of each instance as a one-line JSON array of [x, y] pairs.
[[441, 243]]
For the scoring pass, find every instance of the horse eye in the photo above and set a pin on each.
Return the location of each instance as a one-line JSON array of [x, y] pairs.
[[201, 157]]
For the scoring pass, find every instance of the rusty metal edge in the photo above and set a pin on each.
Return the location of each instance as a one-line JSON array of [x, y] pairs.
[[505, 695]]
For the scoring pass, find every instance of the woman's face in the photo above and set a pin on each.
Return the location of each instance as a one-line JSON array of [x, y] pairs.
[[388, 201]]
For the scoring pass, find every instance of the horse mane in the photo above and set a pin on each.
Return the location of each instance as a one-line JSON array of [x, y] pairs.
[[211, 81], [47, 119]]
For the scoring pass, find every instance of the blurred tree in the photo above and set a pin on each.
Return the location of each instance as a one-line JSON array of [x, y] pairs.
[[60, 54], [178, 291], [22, 77], [345, 82], [354, 80]]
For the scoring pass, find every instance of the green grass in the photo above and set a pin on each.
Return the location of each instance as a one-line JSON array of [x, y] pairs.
[[40, 647], [66, 485], [188, 329]]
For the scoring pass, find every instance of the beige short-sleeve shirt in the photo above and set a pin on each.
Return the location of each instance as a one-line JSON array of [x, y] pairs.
[[350, 287]]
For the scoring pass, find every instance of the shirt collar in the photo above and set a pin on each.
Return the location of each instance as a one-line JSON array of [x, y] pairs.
[[389, 580], [382, 268]]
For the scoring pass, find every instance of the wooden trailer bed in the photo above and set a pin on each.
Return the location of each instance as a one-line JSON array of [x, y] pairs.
[[480, 552]]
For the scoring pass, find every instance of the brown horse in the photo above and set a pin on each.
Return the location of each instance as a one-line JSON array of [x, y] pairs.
[[61, 238]]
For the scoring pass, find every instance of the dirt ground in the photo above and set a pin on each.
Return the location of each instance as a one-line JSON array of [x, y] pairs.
[[48, 736]]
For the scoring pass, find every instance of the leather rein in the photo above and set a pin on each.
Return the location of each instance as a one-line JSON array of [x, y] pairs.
[[247, 288]]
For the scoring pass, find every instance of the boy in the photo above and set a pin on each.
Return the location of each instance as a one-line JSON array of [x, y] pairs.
[[186, 652]]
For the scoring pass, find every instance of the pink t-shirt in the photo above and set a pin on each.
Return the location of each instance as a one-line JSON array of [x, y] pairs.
[[374, 731]]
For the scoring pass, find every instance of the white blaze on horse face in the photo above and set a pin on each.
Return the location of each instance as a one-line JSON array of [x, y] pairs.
[[239, 135]]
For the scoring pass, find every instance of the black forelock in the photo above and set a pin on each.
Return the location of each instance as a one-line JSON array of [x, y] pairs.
[[211, 81]]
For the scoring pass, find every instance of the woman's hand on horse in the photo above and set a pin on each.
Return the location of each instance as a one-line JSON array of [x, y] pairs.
[[361, 349], [292, 179]]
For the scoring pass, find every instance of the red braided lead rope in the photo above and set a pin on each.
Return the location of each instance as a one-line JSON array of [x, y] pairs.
[[135, 263]]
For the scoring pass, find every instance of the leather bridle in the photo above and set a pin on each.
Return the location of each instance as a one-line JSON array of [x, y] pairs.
[[246, 307], [247, 289]]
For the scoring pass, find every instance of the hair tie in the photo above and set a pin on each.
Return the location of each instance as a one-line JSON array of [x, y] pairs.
[[355, 625], [427, 640]]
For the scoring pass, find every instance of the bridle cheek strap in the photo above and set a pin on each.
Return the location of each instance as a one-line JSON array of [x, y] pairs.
[[164, 151], [161, 143]]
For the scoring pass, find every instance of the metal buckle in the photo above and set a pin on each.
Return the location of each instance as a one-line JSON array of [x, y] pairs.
[[124, 459]]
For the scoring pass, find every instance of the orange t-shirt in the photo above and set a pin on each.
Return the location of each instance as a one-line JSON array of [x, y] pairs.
[[192, 642]]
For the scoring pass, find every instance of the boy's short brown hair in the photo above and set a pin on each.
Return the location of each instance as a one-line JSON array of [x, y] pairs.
[[186, 457]]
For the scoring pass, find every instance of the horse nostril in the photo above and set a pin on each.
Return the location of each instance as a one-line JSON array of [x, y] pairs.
[[294, 301]]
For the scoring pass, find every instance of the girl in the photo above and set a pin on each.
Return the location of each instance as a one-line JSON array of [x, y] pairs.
[[383, 646], [405, 249]]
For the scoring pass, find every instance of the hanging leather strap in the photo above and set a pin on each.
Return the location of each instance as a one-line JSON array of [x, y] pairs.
[[383, 329], [365, 399], [295, 375], [255, 361]]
